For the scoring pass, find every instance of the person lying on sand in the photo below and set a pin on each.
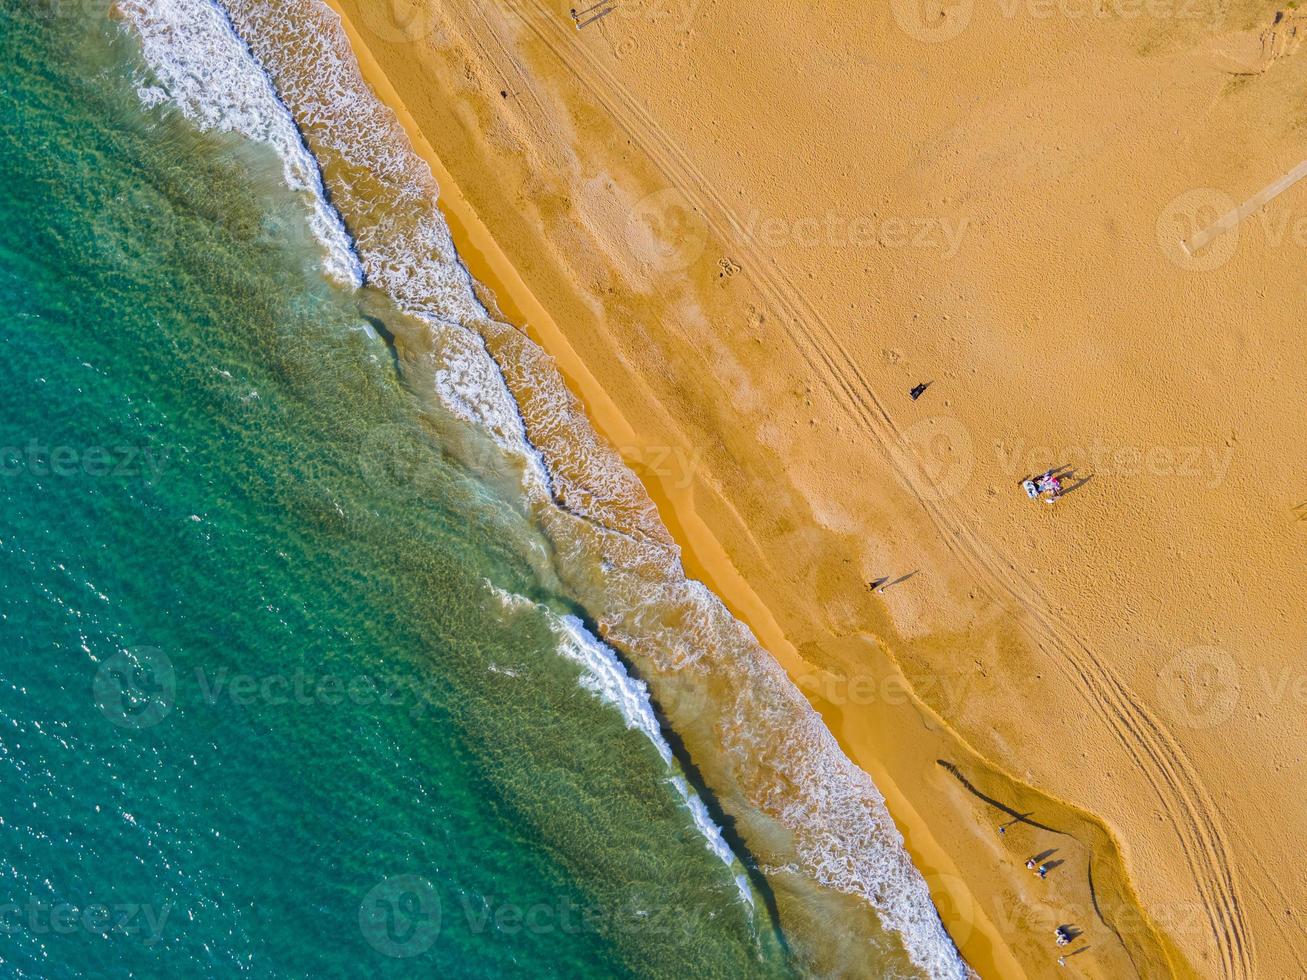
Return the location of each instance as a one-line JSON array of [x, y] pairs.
[[1047, 483]]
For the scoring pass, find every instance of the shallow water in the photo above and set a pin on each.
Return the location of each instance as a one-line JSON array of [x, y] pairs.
[[302, 581], [260, 709]]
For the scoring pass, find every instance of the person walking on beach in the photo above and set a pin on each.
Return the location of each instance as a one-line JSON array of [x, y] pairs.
[[1002, 828]]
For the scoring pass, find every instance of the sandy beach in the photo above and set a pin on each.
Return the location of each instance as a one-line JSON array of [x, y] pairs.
[[745, 233]]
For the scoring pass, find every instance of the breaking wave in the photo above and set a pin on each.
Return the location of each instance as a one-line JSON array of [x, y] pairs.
[[281, 71], [605, 676], [203, 68]]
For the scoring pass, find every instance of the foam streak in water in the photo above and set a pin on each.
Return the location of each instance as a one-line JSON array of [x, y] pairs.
[[605, 676], [206, 69], [609, 549]]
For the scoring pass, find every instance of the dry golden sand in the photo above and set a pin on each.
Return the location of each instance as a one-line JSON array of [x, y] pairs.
[[745, 230]]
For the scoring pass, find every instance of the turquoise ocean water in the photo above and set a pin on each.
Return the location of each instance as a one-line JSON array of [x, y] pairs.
[[260, 711], [304, 560]]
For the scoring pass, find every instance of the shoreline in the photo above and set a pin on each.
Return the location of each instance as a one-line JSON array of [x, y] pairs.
[[703, 555]]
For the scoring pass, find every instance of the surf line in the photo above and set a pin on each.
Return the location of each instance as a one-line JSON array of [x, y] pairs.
[[1231, 218]]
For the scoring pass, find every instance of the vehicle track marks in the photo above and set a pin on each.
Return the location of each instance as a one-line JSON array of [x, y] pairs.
[[1155, 752]]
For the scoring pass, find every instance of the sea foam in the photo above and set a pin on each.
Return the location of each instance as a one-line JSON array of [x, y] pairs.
[[202, 67], [605, 676], [609, 547]]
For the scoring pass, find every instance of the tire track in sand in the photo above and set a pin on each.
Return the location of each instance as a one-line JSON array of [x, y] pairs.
[[1154, 751]]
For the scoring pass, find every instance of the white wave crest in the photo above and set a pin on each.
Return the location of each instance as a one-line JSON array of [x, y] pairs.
[[610, 547], [202, 67], [605, 676]]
